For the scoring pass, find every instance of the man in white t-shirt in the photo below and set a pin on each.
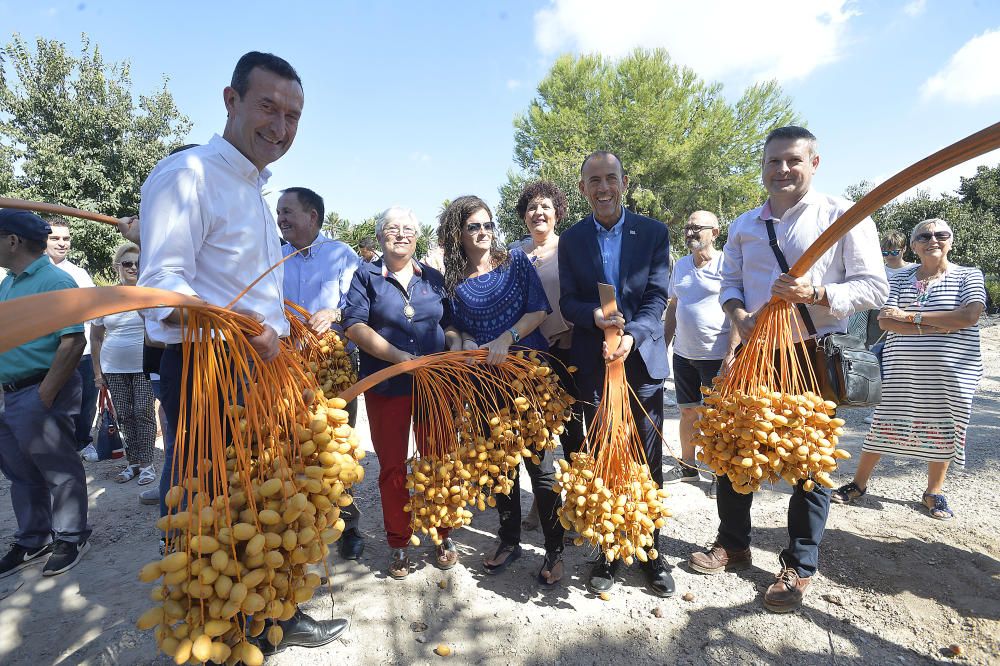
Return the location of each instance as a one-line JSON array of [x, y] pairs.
[[58, 247], [703, 338]]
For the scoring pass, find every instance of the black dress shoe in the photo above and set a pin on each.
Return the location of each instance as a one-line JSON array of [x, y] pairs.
[[602, 576], [303, 631], [660, 581], [352, 544]]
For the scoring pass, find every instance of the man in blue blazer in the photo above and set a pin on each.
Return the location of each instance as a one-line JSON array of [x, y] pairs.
[[631, 252]]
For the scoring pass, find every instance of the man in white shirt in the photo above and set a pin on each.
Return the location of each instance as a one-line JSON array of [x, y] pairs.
[[846, 279], [703, 339], [317, 277], [59, 244], [207, 231]]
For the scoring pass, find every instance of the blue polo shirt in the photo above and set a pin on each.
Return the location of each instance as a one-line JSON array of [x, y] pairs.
[[34, 357], [377, 299]]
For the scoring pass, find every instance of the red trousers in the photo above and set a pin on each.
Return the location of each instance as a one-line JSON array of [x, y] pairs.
[[389, 420]]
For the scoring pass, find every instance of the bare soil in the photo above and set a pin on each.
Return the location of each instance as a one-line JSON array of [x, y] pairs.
[[894, 586]]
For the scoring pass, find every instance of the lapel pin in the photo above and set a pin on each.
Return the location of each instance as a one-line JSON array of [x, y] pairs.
[[631, 232]]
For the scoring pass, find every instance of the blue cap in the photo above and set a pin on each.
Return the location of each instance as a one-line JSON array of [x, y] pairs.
[[24, 224]]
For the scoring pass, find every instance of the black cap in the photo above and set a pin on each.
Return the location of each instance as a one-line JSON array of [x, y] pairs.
[[24, 224]]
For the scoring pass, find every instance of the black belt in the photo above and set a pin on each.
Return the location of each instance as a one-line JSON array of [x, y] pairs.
[[19, 384]]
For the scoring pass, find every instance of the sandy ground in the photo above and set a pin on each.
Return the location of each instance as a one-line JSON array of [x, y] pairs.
[[894, 585]]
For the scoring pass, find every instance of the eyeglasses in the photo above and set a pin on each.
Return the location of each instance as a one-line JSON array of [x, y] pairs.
[[695, 230], [129, 264], [891, 253], [476, 227], [396, 232], [938, 236]]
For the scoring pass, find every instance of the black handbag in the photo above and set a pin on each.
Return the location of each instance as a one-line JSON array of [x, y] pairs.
[[848, 374]]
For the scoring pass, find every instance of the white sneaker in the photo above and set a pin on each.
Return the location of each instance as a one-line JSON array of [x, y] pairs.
[[89, 453]]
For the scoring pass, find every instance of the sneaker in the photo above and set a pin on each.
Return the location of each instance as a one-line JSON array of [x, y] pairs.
[[89, 453], [680, 473], [716, 559], [19, 557], [65, 556], [150, 496]]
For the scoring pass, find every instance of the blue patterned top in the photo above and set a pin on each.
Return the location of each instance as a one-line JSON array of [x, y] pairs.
[[488, 305]]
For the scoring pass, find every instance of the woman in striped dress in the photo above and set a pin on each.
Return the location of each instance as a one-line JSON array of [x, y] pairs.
[[932, 364]]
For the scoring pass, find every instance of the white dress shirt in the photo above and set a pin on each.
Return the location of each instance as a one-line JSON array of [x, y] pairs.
[[82, 279], [320, 277], [852, 271], [208, 232]]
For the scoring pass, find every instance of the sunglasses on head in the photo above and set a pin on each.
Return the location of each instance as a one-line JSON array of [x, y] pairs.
[[476, 227], [937, 235], [129, 264], [891, 253]]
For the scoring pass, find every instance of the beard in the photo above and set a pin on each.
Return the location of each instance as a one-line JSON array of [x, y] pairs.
[[694, 245]]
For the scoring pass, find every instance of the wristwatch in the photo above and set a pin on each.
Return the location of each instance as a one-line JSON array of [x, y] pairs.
[[918, 318], [514, 335]]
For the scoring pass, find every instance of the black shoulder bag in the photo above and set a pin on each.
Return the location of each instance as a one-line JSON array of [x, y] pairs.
[[847, 372]]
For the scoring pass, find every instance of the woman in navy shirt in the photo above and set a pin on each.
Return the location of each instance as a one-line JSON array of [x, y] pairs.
[[396, 310], [498, 303]]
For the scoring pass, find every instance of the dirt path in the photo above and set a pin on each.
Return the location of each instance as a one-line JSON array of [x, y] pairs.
[[894, 586]]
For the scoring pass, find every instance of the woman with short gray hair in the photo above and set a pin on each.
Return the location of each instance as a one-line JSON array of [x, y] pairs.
[[933, 365]]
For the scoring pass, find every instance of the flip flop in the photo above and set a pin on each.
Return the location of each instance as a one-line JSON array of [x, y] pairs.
[[552, 560], [514, 551]]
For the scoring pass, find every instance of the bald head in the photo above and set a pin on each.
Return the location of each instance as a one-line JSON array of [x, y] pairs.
[[700, 231]]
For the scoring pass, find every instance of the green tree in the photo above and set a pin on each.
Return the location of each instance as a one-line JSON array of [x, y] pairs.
[[683, 146], [72, 133]]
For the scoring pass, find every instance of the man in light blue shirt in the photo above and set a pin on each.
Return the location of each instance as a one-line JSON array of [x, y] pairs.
[[610, 242], [317, 278]]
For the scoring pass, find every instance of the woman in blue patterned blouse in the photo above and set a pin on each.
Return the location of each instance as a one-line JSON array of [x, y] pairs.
[[498, 302]]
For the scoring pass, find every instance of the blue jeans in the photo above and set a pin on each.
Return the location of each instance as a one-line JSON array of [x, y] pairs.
[[84, 420]]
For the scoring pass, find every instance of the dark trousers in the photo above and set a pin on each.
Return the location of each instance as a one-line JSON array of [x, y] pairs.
[[84, 420], [649, 392], [171, 381], [572, 437], [807, 513], [543, 480], [48, 486]]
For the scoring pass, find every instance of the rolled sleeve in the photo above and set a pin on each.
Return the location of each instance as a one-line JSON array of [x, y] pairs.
[[732, 268], [865, 286], [357, 305]]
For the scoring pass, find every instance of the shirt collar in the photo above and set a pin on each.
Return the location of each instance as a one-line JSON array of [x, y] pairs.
[[313, 249], [614, 230], [765, 213], [416, 268], [34, 266], [238, 161]]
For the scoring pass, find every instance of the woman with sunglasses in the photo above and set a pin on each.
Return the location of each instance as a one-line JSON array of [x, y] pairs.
[[116, 345], [498, 304], [893, 249], [933, 365]]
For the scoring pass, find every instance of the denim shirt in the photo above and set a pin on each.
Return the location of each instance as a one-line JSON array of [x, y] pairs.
[[376, 298], [610, 242]]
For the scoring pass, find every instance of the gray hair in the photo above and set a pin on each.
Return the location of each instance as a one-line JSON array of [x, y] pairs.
[[396, 214], [936, 221], [124, 249]]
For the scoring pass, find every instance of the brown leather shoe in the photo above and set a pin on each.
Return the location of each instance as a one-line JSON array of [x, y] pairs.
[[785, 595], [716, 559]]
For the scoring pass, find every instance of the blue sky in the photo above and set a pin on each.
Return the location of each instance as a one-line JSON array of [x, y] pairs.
[[411, 103]]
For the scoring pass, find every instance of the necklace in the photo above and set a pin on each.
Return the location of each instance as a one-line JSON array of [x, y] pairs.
[[408, 310]]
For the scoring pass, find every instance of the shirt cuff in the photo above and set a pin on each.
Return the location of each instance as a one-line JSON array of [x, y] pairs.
[[729, 293], [839, 299]]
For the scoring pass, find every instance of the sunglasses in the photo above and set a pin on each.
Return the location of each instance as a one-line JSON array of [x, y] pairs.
[[129, 264], [937, 235], [476, 227], [891, 253]]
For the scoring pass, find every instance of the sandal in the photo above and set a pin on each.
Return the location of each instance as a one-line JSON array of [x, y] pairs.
[[446, 555], [939, 510], [847, 493], [127, 474], [399, 563], [513, 551], [552, 560], [147, 475]]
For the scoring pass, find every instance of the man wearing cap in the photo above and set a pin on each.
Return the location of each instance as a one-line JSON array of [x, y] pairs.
[[41, 396]]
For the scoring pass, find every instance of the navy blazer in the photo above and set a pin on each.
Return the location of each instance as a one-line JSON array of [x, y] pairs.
[[644, 273]]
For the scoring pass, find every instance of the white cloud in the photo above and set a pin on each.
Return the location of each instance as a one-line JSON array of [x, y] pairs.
[[970, 76], [419, 157], [948, 181], [513, 84], [716, 38], [915, 8]]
